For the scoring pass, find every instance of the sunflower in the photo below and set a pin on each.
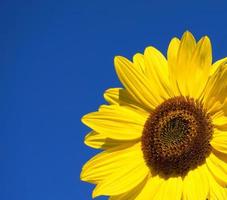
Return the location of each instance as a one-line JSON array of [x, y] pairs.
[[164, 134]]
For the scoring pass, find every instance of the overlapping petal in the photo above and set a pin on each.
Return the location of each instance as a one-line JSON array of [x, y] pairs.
[[120, 96], [220, 122], [171, 188], [219, 141], [179, 57], [132, 194], [172, 64], [112, 161], [217, 192], [101, 141], [157, 71], [116, 170], [137, 84], [194, 177], [216, 88], [218, 168], [217, 64], [138, 62], [122, 181], [151, 188], [187, 59], [116, 122]]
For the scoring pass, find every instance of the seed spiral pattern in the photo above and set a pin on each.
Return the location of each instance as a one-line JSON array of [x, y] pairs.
[[176, 136]]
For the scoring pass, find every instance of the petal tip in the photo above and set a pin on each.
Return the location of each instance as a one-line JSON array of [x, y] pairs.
[[120, 61], [148, 49], [117, 59], [85, 118], [205, 39], [175, 39], [108, 92], [86, 138], [95, 193], [187, 35], [82, 177]]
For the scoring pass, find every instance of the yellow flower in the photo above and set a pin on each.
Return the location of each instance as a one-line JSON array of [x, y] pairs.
[[164, 135]]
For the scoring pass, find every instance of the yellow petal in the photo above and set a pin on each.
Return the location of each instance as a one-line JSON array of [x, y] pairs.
[[195, 184], [95, 140], [217, 192], [111, 161], [151, 188], [116, 171], [116, 122], [122, 181], [189, 64], [224, 107], [217, 64], [155, 59], [119, 96], [100, 141], [219, 141], [172, 63], [186, 48], [138, 62], [173, 52], [179, 71], [216, 88], [200, 66], [214, 108], [218, 169], [157, 71], [136, 83], [132, 194], [116, 96], [220, 122], [170, 189]]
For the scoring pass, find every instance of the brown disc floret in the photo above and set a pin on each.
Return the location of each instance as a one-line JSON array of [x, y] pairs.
[[176, 136]]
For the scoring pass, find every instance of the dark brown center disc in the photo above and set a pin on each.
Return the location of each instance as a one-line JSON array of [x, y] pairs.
[[176, 136]]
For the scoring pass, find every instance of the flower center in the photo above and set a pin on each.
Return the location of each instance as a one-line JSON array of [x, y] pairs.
[[176, 136]]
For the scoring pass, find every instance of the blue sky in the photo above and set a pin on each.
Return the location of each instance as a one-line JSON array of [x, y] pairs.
[[56, 60]]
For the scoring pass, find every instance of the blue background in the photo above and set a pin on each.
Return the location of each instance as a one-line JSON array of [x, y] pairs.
[[56, 60]]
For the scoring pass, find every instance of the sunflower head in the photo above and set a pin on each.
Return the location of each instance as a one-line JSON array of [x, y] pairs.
[[164, 134]]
